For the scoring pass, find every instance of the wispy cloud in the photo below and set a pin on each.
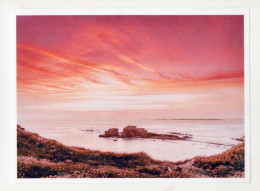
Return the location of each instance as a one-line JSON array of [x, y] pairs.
[[80, 57]]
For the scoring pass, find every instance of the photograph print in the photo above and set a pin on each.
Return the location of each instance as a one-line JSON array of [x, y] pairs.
[[130, 96]]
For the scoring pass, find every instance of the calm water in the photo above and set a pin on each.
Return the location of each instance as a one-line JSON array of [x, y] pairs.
[[73, 129]]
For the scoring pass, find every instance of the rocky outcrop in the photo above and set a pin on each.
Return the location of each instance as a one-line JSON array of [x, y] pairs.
[[241, 139], [134, 132], [113, 132], [167, 136]]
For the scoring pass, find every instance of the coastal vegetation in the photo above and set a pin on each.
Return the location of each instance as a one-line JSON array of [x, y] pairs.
[[38, 157]]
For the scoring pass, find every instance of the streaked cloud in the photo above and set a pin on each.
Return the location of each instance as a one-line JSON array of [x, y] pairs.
[[82, 58]]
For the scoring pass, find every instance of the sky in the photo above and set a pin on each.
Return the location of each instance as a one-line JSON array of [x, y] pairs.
[[185, 65]]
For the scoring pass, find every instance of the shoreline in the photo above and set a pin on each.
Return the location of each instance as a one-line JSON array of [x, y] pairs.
[[41, 157], [134, 145]]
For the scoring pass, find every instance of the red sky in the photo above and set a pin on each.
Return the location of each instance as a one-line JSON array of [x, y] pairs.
[[184, 64]]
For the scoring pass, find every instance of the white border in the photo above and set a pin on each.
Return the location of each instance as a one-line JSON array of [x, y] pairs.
[[126, 11]]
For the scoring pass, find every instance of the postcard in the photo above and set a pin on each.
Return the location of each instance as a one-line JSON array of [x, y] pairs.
[[136, 93]]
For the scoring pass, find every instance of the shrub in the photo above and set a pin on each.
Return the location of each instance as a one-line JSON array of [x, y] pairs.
[[223, 164]]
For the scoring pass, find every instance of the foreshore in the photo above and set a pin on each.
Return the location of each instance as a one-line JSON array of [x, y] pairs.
[[39, 157]]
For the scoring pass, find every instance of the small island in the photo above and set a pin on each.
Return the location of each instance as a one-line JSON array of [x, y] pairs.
[[134, 132]]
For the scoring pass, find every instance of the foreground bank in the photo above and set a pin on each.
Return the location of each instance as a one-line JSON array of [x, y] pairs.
[[39, 157]]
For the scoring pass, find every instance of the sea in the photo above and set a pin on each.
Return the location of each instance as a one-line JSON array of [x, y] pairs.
[[82, 129]]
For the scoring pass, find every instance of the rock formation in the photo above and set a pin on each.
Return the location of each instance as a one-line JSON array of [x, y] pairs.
[[113, 132], [134, 132]]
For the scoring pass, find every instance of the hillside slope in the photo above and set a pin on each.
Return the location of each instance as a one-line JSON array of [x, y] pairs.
[[39, 157]]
